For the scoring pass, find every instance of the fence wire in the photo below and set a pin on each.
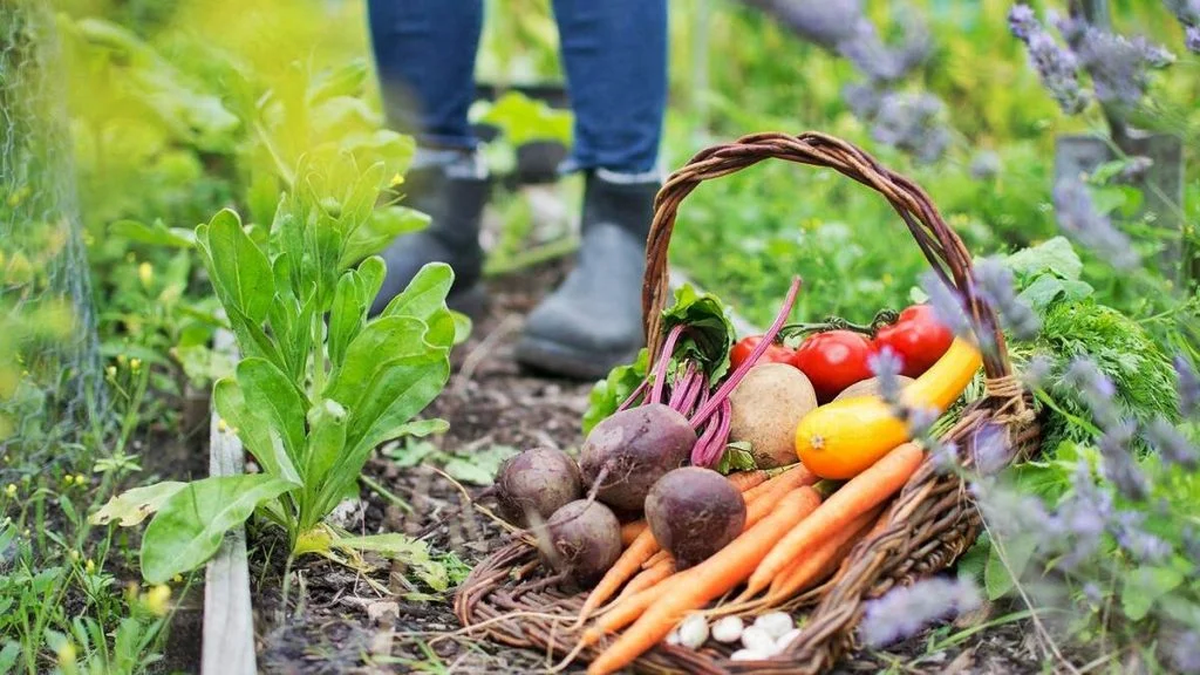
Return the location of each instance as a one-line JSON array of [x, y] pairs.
[[51, 381]]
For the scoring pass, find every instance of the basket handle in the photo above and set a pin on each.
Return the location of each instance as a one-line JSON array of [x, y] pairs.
[[942, 247]]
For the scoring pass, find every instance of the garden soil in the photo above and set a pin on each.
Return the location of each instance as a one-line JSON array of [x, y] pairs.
[[341, 621]]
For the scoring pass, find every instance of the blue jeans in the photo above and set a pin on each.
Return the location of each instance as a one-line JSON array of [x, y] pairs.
[[614, 53]]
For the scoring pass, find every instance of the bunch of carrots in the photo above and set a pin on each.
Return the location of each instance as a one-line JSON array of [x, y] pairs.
[[797, 532]]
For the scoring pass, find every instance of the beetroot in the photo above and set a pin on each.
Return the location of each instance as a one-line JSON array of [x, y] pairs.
[[694, 512], [536, 482], [582, 540], [626, 453]]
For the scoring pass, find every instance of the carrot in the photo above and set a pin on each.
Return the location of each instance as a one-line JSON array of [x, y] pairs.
[[858, 496], [622, 570], [648, 577], [655, 559], [780, 484], [714, 577], [824, 560], [744, 480], [631, 530], [627, 611]]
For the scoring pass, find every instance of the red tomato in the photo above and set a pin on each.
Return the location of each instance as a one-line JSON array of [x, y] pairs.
[[834, 360], [917, 338], [775, 353]]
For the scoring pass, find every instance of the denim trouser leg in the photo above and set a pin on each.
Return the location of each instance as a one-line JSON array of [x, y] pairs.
[[425, 54], [615, 56]]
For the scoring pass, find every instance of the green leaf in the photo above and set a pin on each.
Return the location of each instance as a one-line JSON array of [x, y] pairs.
[[274, 398], [737, 457], [998, 579], [254, 432], [371, 273], [1144, 586], [346, 316], [8, 655], [522, 119], [201, 364], [425, 295], [462, 327], [479, 468], [398, 546], [157, 234], [326, 441], [133, 506], [710, 334], [380, 229], [612, 391], [189, 527], [1055, 256], [239, 269]]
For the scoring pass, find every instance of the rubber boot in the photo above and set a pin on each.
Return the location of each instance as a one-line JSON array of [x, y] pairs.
[[593, 321], [454, 196]]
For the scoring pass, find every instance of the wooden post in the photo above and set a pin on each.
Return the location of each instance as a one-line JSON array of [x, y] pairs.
[[228, 642]]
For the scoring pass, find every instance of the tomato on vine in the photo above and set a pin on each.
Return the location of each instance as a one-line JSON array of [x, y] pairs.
[[834, 360], [775, 353], [917, 337]]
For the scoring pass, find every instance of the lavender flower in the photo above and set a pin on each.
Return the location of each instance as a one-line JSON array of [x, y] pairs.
[[1171, 444], [906, 610], [1119, 466], [994, 283], [911, 122], [990, 449], [1127, 529], [1055, 65], [1188, 385], [1037, 371], [1183, 651], [886, 365], [1095, 388], [985, 165], [1188, 13], [1118, 65], [947, 304], [1077, 215]]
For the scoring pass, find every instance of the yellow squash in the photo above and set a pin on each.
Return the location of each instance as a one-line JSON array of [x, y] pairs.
[[840, 439]]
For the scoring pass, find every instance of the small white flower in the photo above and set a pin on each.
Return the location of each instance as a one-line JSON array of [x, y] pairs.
[[693, 631], [728, 629], [775, 624]]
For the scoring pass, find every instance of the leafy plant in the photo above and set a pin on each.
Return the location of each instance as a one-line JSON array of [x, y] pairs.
[[319, 385]]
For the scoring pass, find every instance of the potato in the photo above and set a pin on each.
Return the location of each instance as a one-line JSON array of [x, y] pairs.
[[868, 387], [767, 405]]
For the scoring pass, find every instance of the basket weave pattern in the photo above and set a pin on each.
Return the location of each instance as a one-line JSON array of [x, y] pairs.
[[929, 524]]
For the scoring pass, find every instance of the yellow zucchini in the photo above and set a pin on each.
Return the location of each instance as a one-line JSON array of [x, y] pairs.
[[840, 439]]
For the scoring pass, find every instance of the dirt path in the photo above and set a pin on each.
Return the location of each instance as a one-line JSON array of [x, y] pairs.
[[338, 622]]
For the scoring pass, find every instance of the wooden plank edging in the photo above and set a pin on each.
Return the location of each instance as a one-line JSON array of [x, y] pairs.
[[228, 638]]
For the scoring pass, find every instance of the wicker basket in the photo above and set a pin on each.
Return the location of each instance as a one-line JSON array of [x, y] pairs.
[[929, 524]]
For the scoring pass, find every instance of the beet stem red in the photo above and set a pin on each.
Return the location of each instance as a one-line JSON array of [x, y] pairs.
[[664, 358]]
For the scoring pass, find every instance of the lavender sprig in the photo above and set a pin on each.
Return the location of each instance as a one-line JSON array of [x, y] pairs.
[[1077, 215], [1056, 66], [906, 610], [994, 283], [1188, 385]]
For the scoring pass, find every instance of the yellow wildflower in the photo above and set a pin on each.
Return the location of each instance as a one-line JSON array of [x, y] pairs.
[[158, 599], [10, 490], [145, 274]]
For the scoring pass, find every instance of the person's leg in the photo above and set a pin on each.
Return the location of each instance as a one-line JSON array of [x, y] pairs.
[[615, 56], [425, 56]]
